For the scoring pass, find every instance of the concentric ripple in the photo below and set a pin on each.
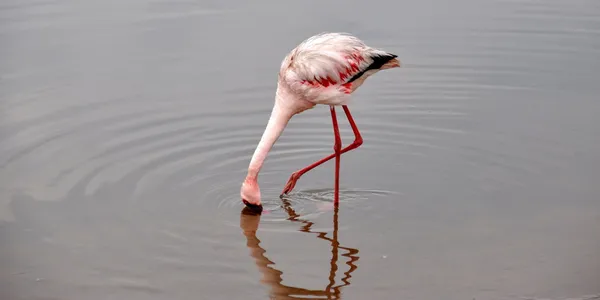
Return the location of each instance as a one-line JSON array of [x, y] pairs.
[[306, 204]]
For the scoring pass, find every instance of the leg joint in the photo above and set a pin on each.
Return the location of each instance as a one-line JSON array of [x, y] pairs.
[[358, 141], [337, 145]]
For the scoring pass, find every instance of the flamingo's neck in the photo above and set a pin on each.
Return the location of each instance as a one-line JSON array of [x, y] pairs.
[[277, 122]]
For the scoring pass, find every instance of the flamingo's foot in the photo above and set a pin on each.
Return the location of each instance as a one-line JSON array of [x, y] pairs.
[[289, 186]]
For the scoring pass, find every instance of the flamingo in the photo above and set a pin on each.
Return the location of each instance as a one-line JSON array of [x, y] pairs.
[[323, 69]]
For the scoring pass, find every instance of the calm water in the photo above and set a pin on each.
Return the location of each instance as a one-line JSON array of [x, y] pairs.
[[126, 128]]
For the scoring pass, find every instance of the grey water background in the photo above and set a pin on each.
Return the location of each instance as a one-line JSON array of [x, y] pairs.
[[126, 128]]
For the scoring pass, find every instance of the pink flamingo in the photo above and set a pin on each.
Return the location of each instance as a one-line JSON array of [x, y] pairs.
[[323, 69]]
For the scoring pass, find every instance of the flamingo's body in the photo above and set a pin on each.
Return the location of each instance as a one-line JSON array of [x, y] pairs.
[[324, 69]]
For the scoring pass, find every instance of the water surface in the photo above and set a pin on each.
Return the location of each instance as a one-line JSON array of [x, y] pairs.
[[126, 128]]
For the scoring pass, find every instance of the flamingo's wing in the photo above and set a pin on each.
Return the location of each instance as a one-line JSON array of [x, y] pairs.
[[323, 68]]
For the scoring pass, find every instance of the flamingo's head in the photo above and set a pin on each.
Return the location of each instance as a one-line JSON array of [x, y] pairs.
[[250, 193]]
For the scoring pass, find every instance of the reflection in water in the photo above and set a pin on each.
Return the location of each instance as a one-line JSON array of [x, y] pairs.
[[249, 223]]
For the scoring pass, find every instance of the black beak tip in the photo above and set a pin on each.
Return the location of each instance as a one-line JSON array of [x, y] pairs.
[[257, 209]]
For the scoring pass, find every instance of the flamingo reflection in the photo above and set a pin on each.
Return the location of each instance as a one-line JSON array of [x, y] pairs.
[[249, 222]]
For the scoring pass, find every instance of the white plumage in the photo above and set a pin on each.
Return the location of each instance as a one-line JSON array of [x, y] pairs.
[[319, 68]]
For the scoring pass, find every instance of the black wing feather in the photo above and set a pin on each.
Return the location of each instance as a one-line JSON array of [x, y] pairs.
[[378, 62]]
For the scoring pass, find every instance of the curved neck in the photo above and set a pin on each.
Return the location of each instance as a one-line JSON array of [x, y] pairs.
[[277, 122]]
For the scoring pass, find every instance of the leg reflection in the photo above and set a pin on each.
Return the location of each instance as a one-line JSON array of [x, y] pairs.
[[249, 222]]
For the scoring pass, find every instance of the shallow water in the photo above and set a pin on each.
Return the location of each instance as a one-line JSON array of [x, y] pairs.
[[126, 128]]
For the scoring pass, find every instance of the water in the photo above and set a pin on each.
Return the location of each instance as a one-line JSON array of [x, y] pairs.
[[126, 128]]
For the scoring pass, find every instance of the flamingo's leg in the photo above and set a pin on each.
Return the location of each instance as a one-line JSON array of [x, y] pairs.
[[357, 142], [337, 147]]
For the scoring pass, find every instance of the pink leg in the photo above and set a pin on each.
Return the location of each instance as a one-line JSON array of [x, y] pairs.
[[357, 142], [337, 147]]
